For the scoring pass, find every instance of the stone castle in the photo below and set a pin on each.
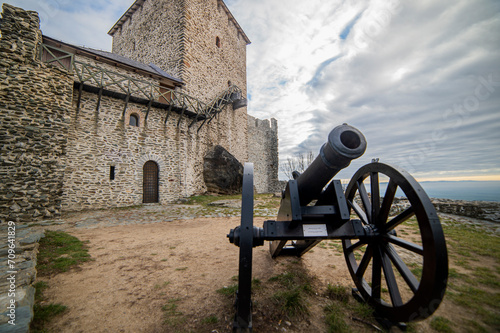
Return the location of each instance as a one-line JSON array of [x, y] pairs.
[[85, 129]]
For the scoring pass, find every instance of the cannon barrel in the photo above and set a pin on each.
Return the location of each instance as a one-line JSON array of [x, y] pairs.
[[344, 144]]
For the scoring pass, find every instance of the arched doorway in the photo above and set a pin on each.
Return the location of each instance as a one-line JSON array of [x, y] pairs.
[[150, 182]]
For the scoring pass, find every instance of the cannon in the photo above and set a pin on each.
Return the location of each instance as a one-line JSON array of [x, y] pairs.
[[401, 275]]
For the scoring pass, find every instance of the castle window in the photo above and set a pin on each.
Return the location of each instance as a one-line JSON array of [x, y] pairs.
[[134, 120], [217, 41], [111, 172]]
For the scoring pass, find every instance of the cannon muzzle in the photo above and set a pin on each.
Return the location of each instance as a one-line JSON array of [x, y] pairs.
[[345, 143]]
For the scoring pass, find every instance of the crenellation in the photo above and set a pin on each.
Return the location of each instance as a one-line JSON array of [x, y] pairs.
[[263, 138]]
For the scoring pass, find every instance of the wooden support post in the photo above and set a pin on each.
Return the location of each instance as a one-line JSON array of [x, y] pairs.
[[99, 100], [194, 120], [80, 89], [203, 123], [149, 108], [126, 105], [180, 116], [168, 113], [213, 116]]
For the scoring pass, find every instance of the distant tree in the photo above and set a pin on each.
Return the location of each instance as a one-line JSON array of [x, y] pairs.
[[298, 163]]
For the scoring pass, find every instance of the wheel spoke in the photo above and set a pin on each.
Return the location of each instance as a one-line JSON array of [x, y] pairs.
[[375, 194], [376, 274], [359, 211], [402, 268], [400, 218], [363, 264], [405, 244], [355, 246], [387, 202], [365, 200], [390, 279]]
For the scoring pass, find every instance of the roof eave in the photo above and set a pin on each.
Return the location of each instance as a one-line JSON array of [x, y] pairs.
[[82, 50], [232, 19], [125, 16]]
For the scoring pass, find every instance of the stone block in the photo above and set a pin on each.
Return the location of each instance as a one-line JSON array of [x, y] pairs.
[[222, 172]]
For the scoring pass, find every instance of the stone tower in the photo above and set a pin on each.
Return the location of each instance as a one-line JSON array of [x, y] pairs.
[[197, 41]]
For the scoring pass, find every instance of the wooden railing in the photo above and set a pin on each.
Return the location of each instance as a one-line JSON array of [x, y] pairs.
[[150, 91]]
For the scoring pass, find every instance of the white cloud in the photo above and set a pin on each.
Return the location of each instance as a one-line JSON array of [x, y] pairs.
[[77, 21], [421, 79], [396, 75]]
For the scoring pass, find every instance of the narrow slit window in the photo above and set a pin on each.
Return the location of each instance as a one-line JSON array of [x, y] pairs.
[[134, 120], [217, 41], [112, 172]]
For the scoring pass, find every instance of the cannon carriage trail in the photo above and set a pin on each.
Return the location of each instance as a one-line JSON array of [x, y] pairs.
[[170, 268]]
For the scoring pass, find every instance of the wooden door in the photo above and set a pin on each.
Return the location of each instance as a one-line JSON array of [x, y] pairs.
[[150, 182]]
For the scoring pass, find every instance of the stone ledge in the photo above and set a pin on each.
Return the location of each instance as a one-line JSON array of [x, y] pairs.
[[26, 241]]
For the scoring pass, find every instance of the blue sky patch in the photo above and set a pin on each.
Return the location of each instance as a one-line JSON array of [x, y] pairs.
[[348, 27]]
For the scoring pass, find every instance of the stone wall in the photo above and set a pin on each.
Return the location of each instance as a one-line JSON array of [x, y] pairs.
[[99, 140], [263, 152], [483, 210], [34, 100], [60, 158], [180, 37], [26, 242]]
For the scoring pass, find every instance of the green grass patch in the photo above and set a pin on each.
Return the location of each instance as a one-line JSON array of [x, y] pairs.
[[441, 324], [173, 317], [485, 304], [487, 277], [232, 289], [291, 302], [362, 310], [337, 292], [228, 290], [43, 312], [59, 251], [294, 279], [335, 319], [466, 239], [210, 320], [204, 200], [474, 326]]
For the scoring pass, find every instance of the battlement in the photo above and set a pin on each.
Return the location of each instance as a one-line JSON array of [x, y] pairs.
[[263, 152]]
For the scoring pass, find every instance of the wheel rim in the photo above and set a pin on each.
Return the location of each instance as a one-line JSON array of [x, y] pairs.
[[243, 300], [401, 269]]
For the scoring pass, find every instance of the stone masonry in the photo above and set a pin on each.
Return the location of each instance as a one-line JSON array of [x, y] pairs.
[[59, 154], [35, 100], [263, 140], [181, 37]]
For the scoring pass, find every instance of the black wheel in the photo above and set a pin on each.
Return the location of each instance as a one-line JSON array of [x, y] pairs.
[[243, 318], [401, 267]]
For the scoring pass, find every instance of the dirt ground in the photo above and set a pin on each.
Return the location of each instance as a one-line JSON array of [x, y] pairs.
[[164, 277], [137, 269]]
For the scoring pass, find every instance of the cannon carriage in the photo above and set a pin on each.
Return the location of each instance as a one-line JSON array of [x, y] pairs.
[[402, 278]]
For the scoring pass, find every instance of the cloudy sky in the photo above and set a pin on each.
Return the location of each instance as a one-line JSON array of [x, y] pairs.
[[420, 79]]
